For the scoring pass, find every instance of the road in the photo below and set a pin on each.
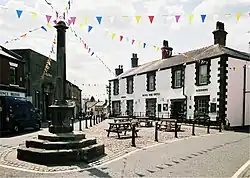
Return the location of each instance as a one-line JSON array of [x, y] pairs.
[[209, 156]]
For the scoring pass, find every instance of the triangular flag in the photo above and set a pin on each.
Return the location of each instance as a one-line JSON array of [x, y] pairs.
[[228, 15], [99, 19], [203, 17], [238, 16], [190, 17], [67, 10], [158, 48], [111, 19], [73, 20], [34, 15], [144, 45], [48, 25], [55, 22], [113, 36], [85, 20], [138, 18], [69, 4], [81, 25], [43, 28], [89, 50], [139, 43], [90, 28], [92, 53], [121, 37], [133, 42], [19, 13], [48, 17], [151, 18], [125, 18], [24, 35], [69, 21], [177, 18]]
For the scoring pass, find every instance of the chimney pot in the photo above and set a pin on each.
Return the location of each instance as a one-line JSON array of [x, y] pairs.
[[165, 43], [220, 34], [166, 50], [134, 60]]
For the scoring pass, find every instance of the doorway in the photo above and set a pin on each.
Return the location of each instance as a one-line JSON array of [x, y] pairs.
[[151, 107], [177, 108]]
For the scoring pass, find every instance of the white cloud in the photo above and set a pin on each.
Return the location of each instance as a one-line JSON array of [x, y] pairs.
[[82, 68]]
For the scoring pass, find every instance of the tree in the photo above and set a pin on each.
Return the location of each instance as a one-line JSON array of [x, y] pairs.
[[92, 99]]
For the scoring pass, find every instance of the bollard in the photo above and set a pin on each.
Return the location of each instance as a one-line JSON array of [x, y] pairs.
[[80, 123], [94, 117], [86, 121], [90, 121], [156, 131], [219, 125], [193, 127], [208, 126], [175, 129], [133, 135]]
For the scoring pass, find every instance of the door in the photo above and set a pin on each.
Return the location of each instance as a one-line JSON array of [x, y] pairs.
[[151, 107], [177, 108], [116, 108], [130, 107]]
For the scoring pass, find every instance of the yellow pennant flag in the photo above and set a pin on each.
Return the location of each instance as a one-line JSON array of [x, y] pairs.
[[158, 48], [190, 18], [113, 35], [34, 15], [138, 18], [81, 25], [125, 18], [139, 44], [85, 20], [48, 25], [24, 35], [67, 10], [228, 15], [238, 16]]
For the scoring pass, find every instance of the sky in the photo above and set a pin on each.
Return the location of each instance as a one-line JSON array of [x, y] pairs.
[[119, 18]]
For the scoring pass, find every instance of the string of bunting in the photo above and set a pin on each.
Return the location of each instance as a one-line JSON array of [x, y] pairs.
[[24, 35], [89, 49]]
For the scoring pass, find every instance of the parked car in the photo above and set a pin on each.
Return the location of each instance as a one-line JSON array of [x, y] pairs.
[[17, 114]]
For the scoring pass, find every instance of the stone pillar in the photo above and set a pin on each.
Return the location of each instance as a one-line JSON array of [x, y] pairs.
[[61, 111]]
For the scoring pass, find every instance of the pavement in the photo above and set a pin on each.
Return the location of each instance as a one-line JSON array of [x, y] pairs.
[[215, 155]]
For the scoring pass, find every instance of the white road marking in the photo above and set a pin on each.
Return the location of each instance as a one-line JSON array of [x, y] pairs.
[[108, 162], [242, 168]]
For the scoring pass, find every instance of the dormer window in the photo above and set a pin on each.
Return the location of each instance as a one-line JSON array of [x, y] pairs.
[[151, 81], [116, 87], [130, 85]]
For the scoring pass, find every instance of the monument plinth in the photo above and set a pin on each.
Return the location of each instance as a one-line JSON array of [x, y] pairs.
[[61, 144]]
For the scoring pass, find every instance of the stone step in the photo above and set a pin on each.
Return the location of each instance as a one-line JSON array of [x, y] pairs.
[[47, 145], [48, 157], [61, 137]]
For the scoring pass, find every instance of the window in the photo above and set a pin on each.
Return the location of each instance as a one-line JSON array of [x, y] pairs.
[[116, 87], [201, 104], [130, 85], [13, 75], [165, 107], [177, 79], [116, 106], [130, 107], [151, 82], [203, 74]]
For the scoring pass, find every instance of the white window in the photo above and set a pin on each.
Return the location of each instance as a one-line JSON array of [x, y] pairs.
[[116, 87], [177, 78], [151, 83], [13, 75], [202, 106], [203, 74], [130, 86]]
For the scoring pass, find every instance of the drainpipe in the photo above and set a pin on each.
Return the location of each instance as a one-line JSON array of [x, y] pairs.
[[183, 88], [244, 95]]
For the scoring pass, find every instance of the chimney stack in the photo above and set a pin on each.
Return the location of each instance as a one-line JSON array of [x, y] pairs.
[[119, 70], [134, 60], [166, 50], [220, 34]]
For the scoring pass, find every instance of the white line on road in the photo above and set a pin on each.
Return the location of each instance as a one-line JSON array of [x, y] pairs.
[[108, 162], [236, 175]]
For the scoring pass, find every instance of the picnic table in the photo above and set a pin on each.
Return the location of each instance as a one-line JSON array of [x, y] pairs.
[[168, 125], [122, 119], [147, 120], [119, 127]]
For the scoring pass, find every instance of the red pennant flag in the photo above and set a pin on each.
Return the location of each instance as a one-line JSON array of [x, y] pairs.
[[48, 17], [133, 41], [73, 19], [55, 21], [69, 21], [121, 37], [151, 18], [177, 18]]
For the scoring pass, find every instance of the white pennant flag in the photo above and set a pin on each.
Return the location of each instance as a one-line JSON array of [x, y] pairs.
[[111, 19]]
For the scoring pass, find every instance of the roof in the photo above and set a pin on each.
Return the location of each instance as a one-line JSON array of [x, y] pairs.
[[211, 51], [7, 54]]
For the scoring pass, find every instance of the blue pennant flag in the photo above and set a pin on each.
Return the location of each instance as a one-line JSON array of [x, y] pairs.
[[203, 17], [90, 28], [144, 45], [43, 28], [92, 53], [99, 19], [69, 4], [19, 13]]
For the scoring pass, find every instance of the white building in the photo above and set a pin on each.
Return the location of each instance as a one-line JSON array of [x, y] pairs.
[[209, 79]]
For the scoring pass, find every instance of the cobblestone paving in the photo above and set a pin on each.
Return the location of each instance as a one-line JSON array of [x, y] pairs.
[[114, 147]]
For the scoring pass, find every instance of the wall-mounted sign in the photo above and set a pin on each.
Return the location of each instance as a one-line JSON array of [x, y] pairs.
[[123, 96], [202, 90], [11, 93], [151, 94]]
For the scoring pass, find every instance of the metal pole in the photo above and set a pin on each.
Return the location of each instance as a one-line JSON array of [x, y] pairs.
[[90, 120], [193, 127], [86, 121], [244, 95], [156, 131], [175, 130], [80, 122], [219, 124], [208, 126], [133, 135]]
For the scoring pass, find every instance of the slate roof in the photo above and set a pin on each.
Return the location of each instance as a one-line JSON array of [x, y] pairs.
[[6, 54], [190, 56]]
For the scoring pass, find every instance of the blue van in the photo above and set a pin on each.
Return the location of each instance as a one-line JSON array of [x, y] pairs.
[[17, 114]]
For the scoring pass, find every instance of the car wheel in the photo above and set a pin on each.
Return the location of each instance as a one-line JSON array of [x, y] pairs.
[[16, 128]]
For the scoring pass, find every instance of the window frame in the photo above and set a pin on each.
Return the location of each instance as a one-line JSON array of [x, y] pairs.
[[151, 81], [116, 87], [14, 69], [179, 79], [130, 85], [205, 77]]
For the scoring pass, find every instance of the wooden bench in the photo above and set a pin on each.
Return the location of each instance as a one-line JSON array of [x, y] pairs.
[[121, 127], [168, 125], [147, 120]]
